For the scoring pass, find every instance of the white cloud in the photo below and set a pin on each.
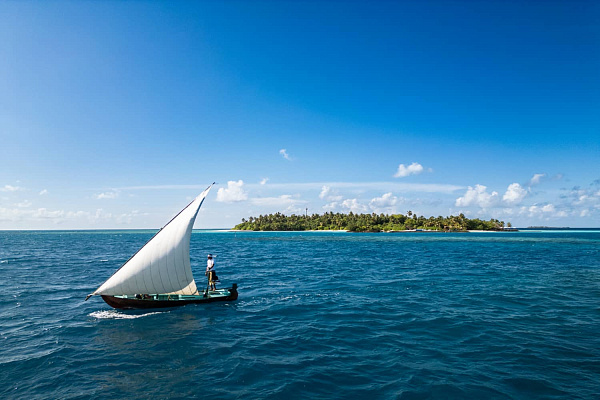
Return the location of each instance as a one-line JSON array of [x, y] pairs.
[[413, 169], [354, 205], [324, 192], [294, 209], [24, 204], [543, 211], [331, 206], [11, 214], [583, 198], [41, 215], [514, 194], [264, 181], [508, 211], [478, 196], [10, 188], [533, 210], [233, 193], [386, 201], [285, 200], [113, 194], [347, 205], [548, 208], [328, 194], [285, 155], [44, 213], [126, 218], [577, 202], [536, 179], [43, 192]]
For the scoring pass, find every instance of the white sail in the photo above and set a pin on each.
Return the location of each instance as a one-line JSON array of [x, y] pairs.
[[163, 264]]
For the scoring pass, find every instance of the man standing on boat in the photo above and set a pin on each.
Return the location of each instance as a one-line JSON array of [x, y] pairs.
[[210, 272]]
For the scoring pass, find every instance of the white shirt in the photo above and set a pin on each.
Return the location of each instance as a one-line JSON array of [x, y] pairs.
[[210, 264]]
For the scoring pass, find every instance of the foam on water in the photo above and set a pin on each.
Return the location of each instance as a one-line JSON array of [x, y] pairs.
[[114, 314]]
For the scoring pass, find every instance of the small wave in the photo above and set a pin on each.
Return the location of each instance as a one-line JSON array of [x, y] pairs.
[[31, 354], [113, 314], [4, 262]]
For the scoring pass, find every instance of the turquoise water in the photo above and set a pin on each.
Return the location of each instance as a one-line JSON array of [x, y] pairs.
[[320, 315]]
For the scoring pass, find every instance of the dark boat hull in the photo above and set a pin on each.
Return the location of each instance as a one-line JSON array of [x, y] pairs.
[[137, 304]]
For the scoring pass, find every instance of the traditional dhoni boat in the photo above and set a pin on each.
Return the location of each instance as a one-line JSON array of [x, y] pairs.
[[159, 274]]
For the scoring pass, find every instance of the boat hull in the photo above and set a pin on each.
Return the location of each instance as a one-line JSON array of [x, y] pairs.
[[158, 301]]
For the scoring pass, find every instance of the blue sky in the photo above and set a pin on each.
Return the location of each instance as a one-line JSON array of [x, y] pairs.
[[115, 114]]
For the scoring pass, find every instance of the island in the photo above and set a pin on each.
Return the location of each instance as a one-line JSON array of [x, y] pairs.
[[369, 223]]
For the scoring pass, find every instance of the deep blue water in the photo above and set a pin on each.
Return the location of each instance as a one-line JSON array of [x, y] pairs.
[[320, 315]]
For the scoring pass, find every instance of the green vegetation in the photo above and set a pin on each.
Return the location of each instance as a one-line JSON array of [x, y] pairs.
[[365, 223]]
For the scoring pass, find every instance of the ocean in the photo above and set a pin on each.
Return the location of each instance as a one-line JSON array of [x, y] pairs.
[[320, 315]]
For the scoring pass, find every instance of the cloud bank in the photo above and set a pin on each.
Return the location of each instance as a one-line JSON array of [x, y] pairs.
[[478, 196]]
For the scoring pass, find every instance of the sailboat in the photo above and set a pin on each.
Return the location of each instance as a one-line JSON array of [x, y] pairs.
[[159, 274]]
